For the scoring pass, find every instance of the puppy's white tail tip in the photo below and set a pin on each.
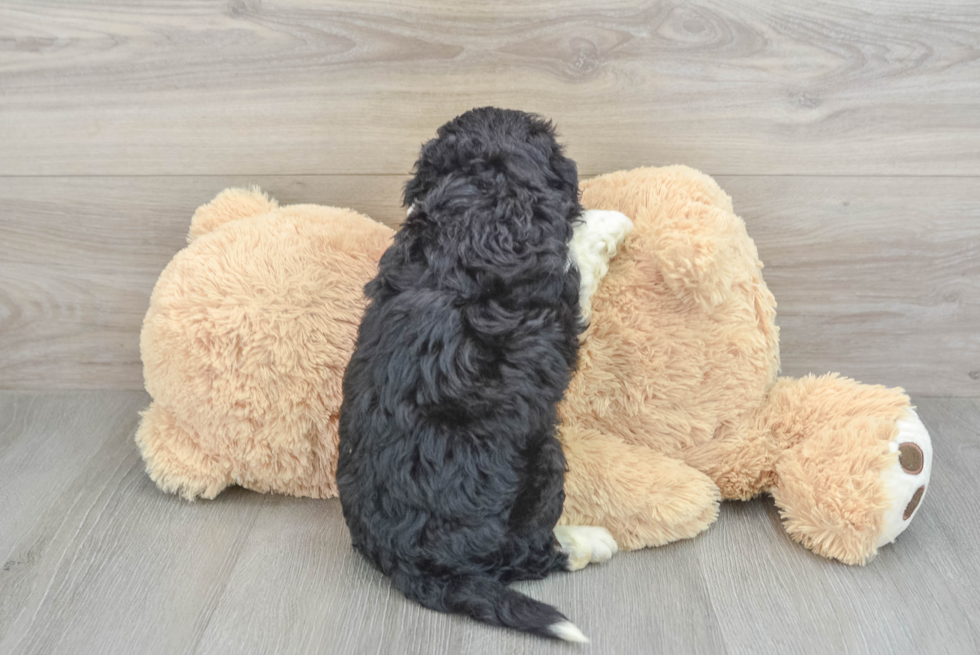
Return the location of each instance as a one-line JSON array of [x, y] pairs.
[[566, 630]]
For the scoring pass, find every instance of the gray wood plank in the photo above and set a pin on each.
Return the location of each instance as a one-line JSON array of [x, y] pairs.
[[104, 563], [96, 559], [303, 547], [45, 445], [353, 86], [128, 568], [875, 278], [878, 278], [951, 528]]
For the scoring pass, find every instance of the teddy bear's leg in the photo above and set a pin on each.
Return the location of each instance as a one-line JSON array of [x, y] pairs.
[[175, 460], [740, 458], [855, 468], [642, 497]]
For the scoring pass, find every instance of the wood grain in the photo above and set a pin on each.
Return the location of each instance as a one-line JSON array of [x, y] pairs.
[[878, 278], [80, 257], [91, 563], [97, 560], [875, 278], [294, 87]]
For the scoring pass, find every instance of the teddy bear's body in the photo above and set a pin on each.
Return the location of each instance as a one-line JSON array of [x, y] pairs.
[[675, 406], [677, 403]]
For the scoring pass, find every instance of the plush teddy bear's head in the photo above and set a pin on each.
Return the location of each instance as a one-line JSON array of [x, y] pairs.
[[245, 343]]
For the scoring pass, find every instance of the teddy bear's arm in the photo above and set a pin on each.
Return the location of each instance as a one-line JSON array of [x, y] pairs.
[[642, 497]]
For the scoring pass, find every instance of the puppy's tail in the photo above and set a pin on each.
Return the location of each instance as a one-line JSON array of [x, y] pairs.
[[489, 601]]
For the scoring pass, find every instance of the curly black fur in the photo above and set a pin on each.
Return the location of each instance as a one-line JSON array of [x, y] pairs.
[[450, 474]]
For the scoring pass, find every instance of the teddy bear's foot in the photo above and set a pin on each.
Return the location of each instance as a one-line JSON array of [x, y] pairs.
[[907, 477], [856, 481], [585, 545]]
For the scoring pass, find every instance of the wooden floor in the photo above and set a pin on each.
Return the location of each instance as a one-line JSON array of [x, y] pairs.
[[97, 560], [847, 133]]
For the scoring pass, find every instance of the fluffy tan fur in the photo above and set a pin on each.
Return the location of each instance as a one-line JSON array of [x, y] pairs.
[[676, 404], [244, 346]]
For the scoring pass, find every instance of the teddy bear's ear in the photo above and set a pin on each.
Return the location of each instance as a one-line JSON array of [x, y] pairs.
[[229, 205]]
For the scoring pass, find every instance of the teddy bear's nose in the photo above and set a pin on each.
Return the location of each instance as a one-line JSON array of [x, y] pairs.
[[911, 458]]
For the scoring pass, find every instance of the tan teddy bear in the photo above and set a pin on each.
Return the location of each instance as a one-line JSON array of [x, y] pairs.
[[249, 331], [675, 406]]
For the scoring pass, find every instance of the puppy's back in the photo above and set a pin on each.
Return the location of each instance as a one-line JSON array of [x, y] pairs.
[[450, 474]]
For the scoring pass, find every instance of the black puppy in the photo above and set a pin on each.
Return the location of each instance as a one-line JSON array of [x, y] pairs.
[[450, 474]]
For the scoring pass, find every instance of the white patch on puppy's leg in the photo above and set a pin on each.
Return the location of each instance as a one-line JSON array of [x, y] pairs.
[[593, 245], [566, 630], [585, 544]]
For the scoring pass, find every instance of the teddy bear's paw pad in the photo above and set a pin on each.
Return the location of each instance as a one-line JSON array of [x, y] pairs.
[[906, 478], [911, 457], [585, 544]]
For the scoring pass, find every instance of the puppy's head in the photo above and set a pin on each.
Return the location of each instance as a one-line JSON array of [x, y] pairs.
[[487, 153]]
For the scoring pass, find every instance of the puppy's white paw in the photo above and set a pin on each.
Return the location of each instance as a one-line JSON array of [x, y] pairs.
[[593, 245], [907, 477], [585, 544]]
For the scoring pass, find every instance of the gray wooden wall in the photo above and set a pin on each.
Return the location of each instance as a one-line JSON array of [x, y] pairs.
[[848, 137]]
